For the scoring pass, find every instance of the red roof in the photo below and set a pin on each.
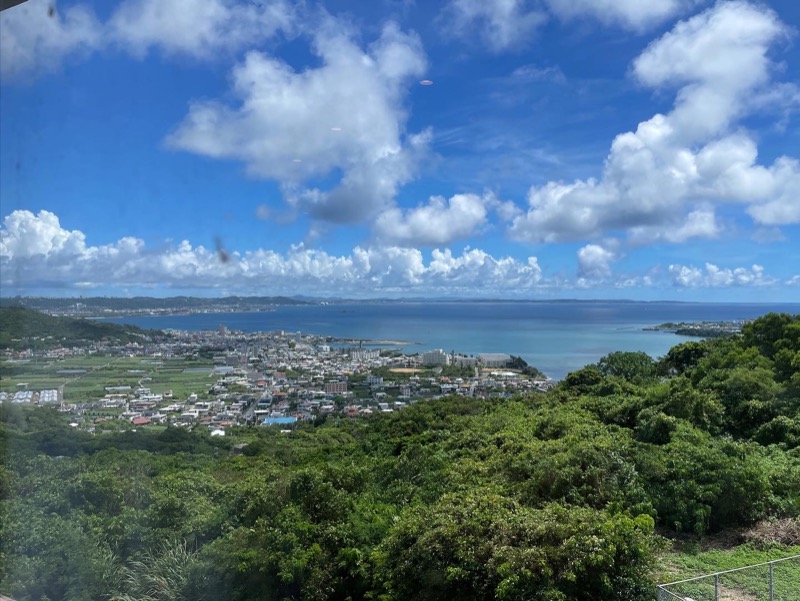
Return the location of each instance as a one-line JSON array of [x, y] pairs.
[[140, 421]]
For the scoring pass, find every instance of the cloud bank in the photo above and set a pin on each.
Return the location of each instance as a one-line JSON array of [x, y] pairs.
[[37, 252]]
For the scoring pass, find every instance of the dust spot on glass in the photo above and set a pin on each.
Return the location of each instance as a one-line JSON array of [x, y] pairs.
[[223, 254]]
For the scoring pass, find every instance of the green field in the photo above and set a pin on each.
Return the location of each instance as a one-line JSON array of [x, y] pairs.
[[106, 371]]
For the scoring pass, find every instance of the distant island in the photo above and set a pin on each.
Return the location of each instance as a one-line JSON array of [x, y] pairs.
[[701, 329], [109, 306]]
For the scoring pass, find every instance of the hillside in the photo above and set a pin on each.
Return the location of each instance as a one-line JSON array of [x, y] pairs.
[[571, 494], [25, 328]]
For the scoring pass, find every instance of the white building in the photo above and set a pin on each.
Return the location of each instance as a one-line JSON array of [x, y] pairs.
[[435, 357], [363, 354], [374, 381]]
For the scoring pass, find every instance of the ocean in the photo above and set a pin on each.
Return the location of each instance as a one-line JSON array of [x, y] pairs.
[[557, 336]]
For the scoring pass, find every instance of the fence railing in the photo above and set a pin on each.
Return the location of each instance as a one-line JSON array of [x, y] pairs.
[[759, 582]]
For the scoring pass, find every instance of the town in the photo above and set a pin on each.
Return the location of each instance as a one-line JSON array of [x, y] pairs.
[[221, 379]]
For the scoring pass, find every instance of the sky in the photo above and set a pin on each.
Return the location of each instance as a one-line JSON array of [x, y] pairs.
[[521, 149]]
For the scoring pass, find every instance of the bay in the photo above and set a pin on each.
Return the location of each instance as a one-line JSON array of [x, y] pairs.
[[555, 336]]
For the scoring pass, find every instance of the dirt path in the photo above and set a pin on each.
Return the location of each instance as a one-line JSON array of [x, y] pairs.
[[729, 594]]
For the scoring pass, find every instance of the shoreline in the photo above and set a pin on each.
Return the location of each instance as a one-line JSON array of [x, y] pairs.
[[374, 342]]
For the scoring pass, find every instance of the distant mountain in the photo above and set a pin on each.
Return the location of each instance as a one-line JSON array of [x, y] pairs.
[[100, 304], [21, 327]]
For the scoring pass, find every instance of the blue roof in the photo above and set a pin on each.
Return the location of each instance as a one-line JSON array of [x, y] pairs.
[[272, 421]]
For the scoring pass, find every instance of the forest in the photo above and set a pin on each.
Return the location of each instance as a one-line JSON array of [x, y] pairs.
[[23, 328], [573, 494]]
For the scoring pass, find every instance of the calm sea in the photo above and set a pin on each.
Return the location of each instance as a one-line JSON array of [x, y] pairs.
[[556, 337]]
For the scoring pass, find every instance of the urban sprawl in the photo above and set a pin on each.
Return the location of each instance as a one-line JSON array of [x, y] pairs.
[[272, 379]]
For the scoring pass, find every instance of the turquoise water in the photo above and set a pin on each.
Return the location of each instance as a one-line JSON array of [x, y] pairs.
[[556, 337]]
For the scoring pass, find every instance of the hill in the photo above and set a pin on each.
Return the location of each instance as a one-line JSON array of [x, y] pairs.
[[21, 327], [571, 494]]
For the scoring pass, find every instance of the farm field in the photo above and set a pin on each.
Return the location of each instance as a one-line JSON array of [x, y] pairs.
[[84, 379]]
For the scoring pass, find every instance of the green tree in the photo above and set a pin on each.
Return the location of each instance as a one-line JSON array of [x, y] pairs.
[[683, 357], [636, 367], [767, 332], [483, 546]]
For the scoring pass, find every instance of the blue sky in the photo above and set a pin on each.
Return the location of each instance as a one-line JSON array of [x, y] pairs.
[[465, 148]]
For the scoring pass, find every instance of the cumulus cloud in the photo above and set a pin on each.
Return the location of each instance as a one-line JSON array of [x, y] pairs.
[[478, 270], [701, 223], [664, 179], [34, 37], [345, 117], [37, 252], [715, 59], [637, 15], [509, 24], [594, 262], [715, 277], [197, 28], [439, 222], [502, 24]]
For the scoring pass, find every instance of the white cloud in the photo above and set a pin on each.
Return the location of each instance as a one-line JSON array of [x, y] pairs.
[[502, 24], [594, 262], [716, 59], [507, 210], [346, 116], [767, 235], [779, 202], [439, 222], [662, 181], [528, 73], [716, 277], [26, 236], [701, 223], [37, 252], [637, 15], [35, 37], [478, 270], [632, 14], [197, 28]]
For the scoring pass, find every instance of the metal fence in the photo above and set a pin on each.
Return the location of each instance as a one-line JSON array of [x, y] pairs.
[[772, 581]]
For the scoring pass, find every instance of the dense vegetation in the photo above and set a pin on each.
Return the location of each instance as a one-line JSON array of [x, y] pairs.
[[554, 497], [25, 328], [520, 364]]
